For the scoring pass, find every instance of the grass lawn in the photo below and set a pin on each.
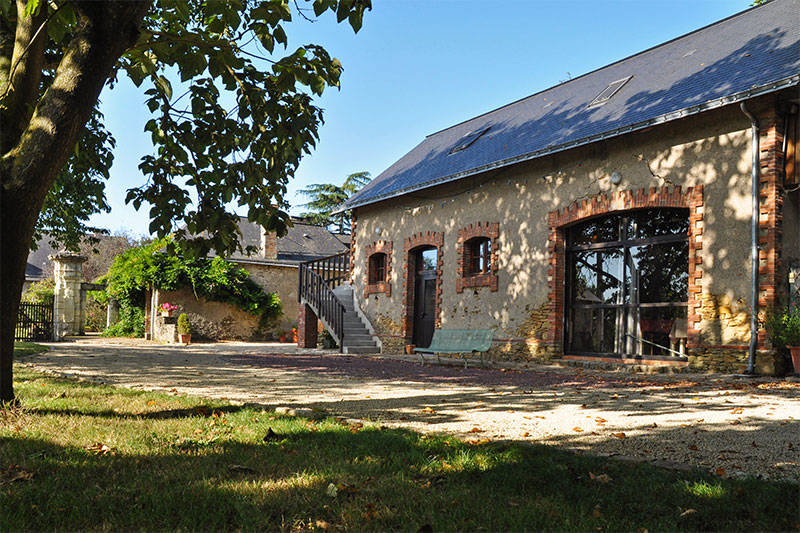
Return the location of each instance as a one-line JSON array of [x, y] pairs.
[[28, 348], [79, 456]]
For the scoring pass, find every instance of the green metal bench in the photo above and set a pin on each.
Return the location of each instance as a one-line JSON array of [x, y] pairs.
[[460, 341]]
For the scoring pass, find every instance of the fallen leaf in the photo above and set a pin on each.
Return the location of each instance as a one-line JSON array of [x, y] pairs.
[[577, 429], [15, 473], [600, 420], [618, 435], [693, 447], [429, 410], [526, 434], [596, 512], [99, 449], [601, 478], [151, 402], [476, 430], [720, 471], [737, 411], [688, 512], [322, 524], [332, 491]]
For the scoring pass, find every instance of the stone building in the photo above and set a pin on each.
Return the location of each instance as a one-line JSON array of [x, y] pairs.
[[606, 218], [274, 267]]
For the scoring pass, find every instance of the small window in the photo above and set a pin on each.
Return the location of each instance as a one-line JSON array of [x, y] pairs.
[[609, 91], [467, 140], [377, 268], [479, 256]]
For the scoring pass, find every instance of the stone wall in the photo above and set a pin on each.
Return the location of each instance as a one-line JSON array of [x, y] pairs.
[[709, 153], [220, 320]]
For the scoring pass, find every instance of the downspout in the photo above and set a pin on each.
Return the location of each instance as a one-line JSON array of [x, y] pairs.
[[751, 360]]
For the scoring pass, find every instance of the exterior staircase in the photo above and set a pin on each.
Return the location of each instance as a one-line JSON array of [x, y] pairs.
[[321, 286], [357, 335]]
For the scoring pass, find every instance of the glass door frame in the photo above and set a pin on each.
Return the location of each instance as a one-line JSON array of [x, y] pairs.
[[629, 308]]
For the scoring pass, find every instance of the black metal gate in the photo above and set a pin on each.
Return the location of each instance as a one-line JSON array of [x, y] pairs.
[[34, 322]]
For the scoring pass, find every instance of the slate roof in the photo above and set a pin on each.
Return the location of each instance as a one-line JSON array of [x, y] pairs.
[[38, 259], [302, 242], [753, 52]]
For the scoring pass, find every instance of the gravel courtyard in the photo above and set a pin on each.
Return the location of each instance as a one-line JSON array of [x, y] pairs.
[[719, 423]]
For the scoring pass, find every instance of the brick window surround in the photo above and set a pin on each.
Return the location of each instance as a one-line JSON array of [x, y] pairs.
[[464, 280], [410, 244], [380, 287], [691, 198]]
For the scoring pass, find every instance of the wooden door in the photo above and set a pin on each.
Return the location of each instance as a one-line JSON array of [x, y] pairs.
[[425, 298]]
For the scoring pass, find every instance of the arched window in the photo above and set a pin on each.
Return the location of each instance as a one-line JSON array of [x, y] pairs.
[[478, 256], [377, 268], [627, 284]]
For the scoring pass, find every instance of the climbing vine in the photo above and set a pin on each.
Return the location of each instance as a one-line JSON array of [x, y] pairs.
[[139, 268]]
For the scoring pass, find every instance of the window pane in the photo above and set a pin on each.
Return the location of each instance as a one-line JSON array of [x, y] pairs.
[[428, 259], [658, 222], [595, 330], [597, 277], [605, 229], [664, 327], [659, 273]]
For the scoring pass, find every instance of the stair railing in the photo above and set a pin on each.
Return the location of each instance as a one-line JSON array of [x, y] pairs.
[[316, 282]]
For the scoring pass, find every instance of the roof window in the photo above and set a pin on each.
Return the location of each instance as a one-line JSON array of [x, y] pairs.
[[467, 140], [609, 91]]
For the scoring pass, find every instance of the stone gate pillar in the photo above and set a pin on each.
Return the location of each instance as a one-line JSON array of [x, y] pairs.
[[67, 313]]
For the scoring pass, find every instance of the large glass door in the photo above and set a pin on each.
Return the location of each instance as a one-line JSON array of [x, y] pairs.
[[627, 288]]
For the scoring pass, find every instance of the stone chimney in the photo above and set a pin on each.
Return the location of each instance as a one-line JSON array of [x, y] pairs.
[[269, 244]]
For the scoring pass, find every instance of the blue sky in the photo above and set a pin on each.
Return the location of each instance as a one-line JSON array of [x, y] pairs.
[[419, 66]]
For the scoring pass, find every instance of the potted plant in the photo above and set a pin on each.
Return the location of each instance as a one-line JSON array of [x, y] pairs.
[[784, 330], [184, 329], [281, 335], [410, 348], [294, 335], [167, 309]]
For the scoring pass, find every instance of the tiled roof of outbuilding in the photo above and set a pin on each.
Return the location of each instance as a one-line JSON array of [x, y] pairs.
[[750, 53], [302, 242]]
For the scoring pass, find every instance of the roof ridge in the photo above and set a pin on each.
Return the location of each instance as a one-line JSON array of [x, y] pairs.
[[660, 45]]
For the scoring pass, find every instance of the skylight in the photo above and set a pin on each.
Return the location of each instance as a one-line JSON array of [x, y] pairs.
[[609, 91], [467, 140]]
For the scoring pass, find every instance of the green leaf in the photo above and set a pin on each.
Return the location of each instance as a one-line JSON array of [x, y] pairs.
[[165, 86]]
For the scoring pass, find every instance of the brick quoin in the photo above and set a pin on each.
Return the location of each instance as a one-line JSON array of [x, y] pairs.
[[771, 196], [306, 327], [383, 287], [353, 255], [601, 204], [485, 229], [428, 238]]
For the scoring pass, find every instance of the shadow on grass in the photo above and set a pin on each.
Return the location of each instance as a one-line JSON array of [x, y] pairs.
[[383, 479]]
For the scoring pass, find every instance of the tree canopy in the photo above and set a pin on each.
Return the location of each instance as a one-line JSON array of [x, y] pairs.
[[327, 199], [233, 129]]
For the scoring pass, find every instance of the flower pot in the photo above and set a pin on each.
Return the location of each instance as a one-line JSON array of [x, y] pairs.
[[410, 348], [185, 338], [282, 338], [166, 313], [795, 351]]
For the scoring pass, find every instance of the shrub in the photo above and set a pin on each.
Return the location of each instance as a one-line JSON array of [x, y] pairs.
[[184, 326], [784, 328], [327, 340], [96, 313], [41, 292]]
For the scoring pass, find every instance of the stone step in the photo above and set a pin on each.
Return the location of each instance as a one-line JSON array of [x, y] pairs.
[[360, 349]]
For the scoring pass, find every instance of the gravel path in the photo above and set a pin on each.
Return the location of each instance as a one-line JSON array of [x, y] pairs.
[[723, 424]]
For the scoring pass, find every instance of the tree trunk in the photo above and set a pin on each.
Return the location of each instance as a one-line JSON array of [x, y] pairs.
[[29, 168]]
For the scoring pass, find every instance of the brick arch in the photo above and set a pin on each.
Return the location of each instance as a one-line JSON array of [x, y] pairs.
[[428, 238], [601, 204], [382, 287]]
